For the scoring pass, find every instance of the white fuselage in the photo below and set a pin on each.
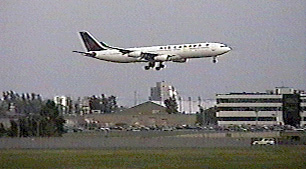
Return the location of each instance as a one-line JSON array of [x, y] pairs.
[[183, 51]]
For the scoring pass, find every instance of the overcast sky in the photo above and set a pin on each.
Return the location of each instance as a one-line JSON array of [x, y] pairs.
[[37, 37]]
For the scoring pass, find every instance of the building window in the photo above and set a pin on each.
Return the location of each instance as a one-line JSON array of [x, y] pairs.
[[246, 119], [249, 100], [248, 108]]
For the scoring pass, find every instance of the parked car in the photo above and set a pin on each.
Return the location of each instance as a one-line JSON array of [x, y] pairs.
[[167, 129], [105, 129], [264, 141]]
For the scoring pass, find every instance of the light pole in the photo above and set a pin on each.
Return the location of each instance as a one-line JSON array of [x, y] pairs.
[[256, 112], [275, 116]]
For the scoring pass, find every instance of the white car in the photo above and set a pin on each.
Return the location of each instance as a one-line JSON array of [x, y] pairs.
[[264, 141]]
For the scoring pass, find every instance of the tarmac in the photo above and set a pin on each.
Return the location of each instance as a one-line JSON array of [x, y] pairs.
[[104, 141]]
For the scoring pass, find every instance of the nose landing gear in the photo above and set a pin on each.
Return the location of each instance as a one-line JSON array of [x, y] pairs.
[[215, 59]]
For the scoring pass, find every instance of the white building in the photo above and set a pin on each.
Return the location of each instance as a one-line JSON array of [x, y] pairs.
[[191, 106], [64, 103], [278, 107], [162, 92]]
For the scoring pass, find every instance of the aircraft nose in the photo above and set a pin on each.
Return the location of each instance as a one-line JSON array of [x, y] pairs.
[[227, 49]]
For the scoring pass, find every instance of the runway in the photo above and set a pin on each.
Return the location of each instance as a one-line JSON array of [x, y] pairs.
[[136, 140]]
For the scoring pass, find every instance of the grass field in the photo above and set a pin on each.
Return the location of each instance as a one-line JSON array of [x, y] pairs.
[[247, 157]]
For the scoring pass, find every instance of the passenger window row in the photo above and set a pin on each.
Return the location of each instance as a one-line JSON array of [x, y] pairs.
[[180, 46]]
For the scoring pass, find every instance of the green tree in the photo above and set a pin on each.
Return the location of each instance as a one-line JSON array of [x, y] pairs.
[[13, 132], [51, 122], [171, 105], [200, 116], [3, 132]]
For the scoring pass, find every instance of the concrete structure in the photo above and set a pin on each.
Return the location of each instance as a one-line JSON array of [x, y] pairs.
[[83, 105], [162, 91], [303, 109], [64, 103], [280, 106], [146, 114], [191, 106]]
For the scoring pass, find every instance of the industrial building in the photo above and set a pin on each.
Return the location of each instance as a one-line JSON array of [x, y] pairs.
[[281, 106], [144, 114], [163, 91]]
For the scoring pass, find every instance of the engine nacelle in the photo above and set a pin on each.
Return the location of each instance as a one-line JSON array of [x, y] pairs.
[[182, 60], [135, 54], [162, 58]]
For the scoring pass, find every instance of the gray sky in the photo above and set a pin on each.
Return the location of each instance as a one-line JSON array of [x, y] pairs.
[[37, 37]]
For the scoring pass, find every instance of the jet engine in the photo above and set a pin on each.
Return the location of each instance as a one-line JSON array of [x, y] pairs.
[[182, 60], [135, 54]]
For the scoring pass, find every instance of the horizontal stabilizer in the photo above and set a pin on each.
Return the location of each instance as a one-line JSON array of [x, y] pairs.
[[89, 54]]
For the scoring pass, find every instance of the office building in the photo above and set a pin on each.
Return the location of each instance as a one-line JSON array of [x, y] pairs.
[[281, 106]]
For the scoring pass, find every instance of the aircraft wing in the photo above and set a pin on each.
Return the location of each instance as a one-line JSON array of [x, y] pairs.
[[131, 53]]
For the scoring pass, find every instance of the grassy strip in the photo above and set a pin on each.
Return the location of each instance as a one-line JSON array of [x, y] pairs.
[[249, 157]]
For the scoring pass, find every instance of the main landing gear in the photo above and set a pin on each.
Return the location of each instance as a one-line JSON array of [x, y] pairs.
[[152, 65]]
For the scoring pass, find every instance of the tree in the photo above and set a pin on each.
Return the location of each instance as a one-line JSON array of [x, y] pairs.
[[52, 123], [13, 132], [200, 116], [35, 117], [104, 104], [171, 105], [112, 104], [3, 132]]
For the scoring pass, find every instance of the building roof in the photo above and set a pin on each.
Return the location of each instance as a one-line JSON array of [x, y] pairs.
[[145, 108]]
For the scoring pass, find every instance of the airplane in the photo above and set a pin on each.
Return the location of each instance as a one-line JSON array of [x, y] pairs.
[[152, 55]]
